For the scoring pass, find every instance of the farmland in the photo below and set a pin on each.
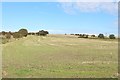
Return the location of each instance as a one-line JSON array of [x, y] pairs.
[[55, 56]]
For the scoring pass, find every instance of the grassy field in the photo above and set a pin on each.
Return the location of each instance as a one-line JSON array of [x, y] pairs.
[[56, 56]]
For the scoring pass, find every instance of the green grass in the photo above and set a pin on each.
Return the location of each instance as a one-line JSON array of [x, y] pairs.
[[60, 56]]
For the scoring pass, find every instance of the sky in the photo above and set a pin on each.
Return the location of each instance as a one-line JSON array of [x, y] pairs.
[[61, 17]]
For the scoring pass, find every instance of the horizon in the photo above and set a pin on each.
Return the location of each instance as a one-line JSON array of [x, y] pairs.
[[60, 17]]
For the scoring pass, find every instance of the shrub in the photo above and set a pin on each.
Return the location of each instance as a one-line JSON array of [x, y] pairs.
[[101, 36], [112, 36], [23, 32], [3, 32], [85, 36], [71, 34], [33, 33], [42, 33], [17, 35], [92, 35], [46, 32], [76, 34], [8, 35], [4, 40]]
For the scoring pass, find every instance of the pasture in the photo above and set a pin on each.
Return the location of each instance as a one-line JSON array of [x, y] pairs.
[[60, 56]]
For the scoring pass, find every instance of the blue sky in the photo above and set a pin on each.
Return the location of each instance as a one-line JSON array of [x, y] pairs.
[[60, 17]]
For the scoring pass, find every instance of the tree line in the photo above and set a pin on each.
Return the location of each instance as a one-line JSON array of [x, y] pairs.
[[20, 34], [6, 36], [101, 36]]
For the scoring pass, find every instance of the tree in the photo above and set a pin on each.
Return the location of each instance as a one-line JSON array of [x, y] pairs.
[[101, 36], [93, 35], [3, 32], [112, 36], [46, 32], [85, 36], [42, 33], [23, 32], [17, 35]]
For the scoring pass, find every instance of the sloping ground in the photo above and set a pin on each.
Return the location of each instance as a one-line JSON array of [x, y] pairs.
[[60, 56]]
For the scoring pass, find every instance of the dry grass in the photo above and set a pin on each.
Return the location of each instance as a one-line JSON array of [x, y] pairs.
[[60, 56]]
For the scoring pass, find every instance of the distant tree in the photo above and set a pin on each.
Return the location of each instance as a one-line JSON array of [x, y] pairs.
[[101, 36], [85, 36], [17, 35], [46, 32], [112, 36], [92, 35], [23, 32], [29, 33], [33, 33], [76, 34], [80, 36], [3, 32], [71, 34], [8, 35], [42, 33]]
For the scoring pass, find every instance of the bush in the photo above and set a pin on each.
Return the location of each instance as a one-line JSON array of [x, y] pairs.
[[32, 33], [101, 36], [92, 35], [3, 32], [8, 35], [23, 32], [112, 36], [85, 36], [4, 40], [42, 33], [11, 33], [17, 35]]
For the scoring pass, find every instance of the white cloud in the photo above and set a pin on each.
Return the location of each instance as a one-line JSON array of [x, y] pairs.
[[73, 7]]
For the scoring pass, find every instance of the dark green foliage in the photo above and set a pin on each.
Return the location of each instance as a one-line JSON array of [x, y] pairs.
[[17, 35], [42, 33], [33, 33], [29, 33], [8, 35], [101, 36], [92, 35], [83, 36], [71, 34], [46, 32], [76, 34], [112, 36], [23, 32], [3, 32]]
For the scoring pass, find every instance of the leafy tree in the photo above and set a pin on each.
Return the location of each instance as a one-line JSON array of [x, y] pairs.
[[112, 36], [23, 32], [42, 33], [101, 36]]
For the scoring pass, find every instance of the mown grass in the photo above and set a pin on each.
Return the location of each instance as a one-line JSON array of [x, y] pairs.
[[60, 56]]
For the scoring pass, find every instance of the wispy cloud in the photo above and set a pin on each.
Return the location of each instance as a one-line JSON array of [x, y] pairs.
[[75, 7]]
